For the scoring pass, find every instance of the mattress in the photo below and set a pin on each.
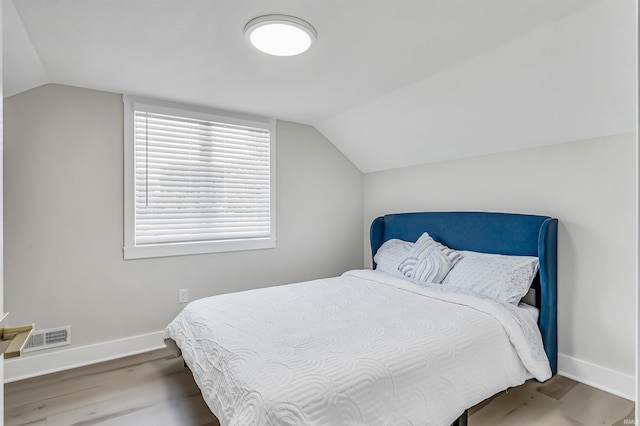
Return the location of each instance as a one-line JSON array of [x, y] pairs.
[[365, 348]]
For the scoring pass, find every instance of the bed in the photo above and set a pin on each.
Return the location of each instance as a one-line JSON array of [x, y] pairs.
[[373, 347]]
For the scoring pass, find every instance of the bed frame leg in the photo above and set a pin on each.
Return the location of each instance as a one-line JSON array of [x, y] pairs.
[[462, 420]]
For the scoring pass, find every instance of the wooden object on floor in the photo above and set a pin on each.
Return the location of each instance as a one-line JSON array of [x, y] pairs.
[[155, 389], [14, 339]]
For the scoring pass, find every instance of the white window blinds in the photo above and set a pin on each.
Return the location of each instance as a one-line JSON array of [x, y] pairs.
[[200, 179]]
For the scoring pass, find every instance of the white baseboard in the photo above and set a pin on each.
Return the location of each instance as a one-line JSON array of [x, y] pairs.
[[603, 378], [32, 364]]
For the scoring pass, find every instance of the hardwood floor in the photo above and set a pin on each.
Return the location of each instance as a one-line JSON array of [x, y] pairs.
[[147, 389], [559, 401], [155, 389]]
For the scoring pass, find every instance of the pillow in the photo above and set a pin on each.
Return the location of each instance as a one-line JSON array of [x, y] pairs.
[[390, 254], [495, 276], [428, 261]]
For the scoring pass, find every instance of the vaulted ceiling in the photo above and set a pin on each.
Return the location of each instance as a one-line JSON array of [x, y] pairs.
[[390, 83]]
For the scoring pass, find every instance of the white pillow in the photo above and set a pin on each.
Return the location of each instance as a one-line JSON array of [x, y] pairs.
[[429, 261], [495, 276], [390, 254]]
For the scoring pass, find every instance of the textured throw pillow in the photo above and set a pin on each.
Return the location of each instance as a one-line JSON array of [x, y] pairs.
[[495, 276], [391, 254], [428, 261]]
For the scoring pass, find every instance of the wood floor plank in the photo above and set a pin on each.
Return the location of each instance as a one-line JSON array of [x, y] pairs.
[[196, 412], [560, 401], [90, 370], [557, 388], [109, 393], [155, 389], [90, 377], [593, 406], [517, 406], [627, 420]]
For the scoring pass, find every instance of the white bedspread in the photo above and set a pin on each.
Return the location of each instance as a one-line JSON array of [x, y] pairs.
[[362, 349]]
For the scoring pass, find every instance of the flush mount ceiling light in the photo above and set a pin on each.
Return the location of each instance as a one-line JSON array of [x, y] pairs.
[[280, 35]]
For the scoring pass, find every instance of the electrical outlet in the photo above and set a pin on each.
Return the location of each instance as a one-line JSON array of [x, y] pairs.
[[183, 295]]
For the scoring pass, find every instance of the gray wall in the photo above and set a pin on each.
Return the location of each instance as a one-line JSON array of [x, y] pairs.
[[589, 186], [64, 221]]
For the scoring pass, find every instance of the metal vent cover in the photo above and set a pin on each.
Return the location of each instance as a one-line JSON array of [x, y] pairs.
[[50, 338]]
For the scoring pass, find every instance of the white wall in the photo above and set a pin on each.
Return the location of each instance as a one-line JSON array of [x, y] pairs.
[[571, 80], [590, 187], [1, 203], [64, 222]]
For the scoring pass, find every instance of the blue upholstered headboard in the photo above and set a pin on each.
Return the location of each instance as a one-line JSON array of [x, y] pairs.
[[500, 233]]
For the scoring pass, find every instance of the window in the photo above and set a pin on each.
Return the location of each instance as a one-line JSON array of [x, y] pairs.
[[196, 180]]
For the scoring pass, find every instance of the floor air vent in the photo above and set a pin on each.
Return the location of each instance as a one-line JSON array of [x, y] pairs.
[[51, 338]]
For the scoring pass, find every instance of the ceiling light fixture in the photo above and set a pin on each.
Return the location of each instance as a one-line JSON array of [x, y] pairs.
[[280, 35]]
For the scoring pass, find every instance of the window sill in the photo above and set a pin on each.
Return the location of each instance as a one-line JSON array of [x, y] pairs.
[[185, 249]]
